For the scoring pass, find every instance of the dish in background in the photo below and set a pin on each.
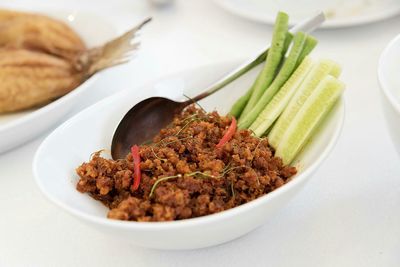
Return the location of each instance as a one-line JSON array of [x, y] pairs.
[[17, 128], [92, 130], [389, 81], [340, 13]]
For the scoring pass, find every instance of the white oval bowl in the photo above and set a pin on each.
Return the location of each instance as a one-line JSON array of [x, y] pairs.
[[389, 81], [18, 128], [73, 142]]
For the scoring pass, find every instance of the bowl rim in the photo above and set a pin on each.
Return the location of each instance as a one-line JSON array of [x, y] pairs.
[[151, 226], [385, 88]]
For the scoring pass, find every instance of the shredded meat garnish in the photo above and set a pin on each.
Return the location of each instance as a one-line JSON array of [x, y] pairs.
[[198, 178]]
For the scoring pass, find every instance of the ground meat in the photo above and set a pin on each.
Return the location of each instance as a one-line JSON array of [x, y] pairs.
[[198, 178]]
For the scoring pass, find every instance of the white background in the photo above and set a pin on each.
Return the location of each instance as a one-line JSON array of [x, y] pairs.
[[348, 215]]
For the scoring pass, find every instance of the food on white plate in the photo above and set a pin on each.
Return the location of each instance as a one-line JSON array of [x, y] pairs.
[[31, 78], [37, 32], [204, 163], [37, 57], [43, 59]]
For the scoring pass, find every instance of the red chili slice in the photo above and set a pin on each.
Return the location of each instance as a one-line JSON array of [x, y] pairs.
[[228, 135], [136, 167]]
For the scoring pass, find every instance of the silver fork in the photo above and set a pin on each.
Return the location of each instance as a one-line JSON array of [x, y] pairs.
[[115, 52]]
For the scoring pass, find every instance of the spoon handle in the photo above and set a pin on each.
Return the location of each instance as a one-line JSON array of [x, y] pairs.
[[307, 25]]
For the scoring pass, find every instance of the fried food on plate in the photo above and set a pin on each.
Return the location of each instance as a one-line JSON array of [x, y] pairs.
[[38, 32], [31, 78]]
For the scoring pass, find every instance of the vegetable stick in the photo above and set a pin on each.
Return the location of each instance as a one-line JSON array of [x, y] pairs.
[[309, 46], [275, 55], [308, 118], [287, 69], [320, 70], [240, 104], [278, 103]]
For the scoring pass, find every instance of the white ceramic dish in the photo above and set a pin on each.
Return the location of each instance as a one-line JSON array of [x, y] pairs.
[[389, 80], [17, 128], [74, 141], [340, 13]]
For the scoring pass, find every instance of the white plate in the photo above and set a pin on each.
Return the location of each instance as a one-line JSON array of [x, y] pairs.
[[20, 127], [340, 13], [389, 81], [91, 130]]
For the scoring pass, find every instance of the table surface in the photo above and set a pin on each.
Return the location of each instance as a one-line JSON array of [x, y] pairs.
[[347, 215]]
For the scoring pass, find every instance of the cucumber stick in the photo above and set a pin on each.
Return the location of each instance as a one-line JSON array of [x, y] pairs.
[[275, 54], [278, 103], [319, 71], [316, 107], [287, 69], [240, 104]]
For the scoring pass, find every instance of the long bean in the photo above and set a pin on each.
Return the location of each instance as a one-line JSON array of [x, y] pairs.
[[240, 104], [285, 72], [275, 55]]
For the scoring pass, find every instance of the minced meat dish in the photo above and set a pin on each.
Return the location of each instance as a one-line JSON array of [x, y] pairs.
[[186, 171]]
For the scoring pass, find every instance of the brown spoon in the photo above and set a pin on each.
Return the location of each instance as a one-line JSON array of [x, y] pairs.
[[144, 120]]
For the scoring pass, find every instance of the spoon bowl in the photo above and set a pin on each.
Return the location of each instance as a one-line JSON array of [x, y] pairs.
[[142, 122]]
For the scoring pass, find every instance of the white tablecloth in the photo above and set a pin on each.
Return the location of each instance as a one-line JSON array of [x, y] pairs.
[[348, 215]]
